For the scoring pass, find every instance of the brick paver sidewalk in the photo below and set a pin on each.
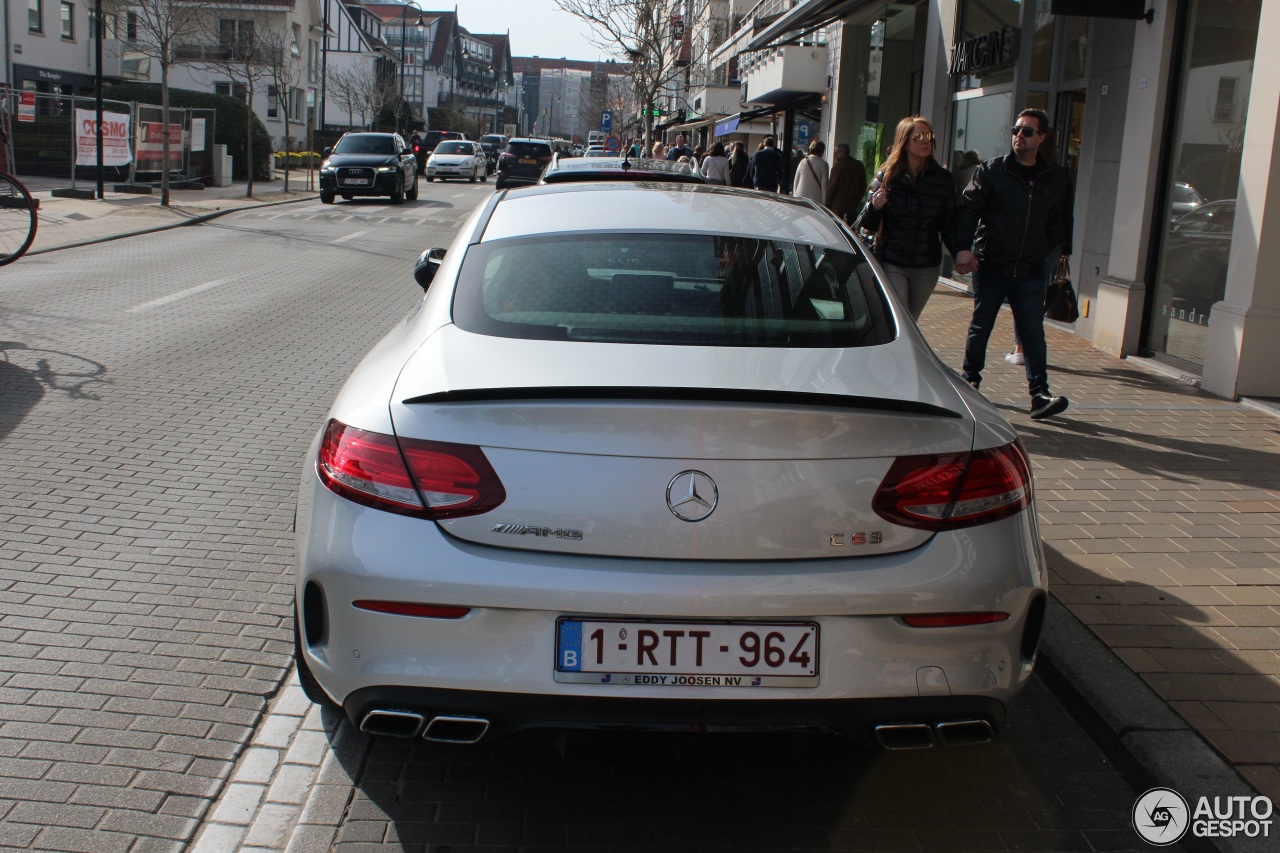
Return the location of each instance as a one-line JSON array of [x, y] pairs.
[[1160, 514]]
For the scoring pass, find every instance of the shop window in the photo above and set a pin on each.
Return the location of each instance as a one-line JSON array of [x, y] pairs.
[[988, 37], [1041, 67], [1203, 177]]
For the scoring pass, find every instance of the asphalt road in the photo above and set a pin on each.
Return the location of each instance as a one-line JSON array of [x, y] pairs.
[[156, 397]]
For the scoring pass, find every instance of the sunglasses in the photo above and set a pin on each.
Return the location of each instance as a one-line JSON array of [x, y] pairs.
[[1024, 130], [921, 137]]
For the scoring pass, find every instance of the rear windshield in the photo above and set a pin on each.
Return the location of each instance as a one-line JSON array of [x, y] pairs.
[[529, 149], [365, 145], [673, 289], [492, 139], [454, 148]]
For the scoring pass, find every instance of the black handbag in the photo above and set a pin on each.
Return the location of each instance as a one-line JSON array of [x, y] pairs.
[[1060, 297]]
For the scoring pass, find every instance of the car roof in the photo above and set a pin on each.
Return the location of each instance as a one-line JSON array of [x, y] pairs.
[[565, 169], [650, 207]]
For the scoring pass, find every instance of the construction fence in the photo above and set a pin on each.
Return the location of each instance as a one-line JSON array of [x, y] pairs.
[[53, 136]]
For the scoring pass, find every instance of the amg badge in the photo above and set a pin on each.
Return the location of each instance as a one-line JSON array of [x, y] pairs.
[[530, 530]]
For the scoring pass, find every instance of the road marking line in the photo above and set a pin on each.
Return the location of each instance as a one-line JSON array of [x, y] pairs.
[[350, 236], [458, 195], [182, 294]]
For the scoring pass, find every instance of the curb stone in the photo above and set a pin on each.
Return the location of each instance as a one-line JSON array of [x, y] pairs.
[[1146, 740]]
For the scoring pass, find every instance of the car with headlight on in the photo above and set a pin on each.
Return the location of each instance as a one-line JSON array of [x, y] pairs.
[[455, 158], [663, 456], [369, 164]]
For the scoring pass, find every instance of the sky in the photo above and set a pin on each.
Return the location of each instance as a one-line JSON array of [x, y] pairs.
[[537, 27]]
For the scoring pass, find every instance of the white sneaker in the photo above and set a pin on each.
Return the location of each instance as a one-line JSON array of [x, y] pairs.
[[1015, 358]]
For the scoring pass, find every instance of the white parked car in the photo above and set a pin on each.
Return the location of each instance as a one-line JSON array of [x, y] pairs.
[[458, 159], [669, 456]]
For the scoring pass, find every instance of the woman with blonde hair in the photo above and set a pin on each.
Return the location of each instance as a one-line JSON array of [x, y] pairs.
[[911, 205], [659, 150]]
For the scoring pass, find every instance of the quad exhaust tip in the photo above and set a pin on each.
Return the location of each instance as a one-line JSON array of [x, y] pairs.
[[441, 728], [904, 736], [456, 730], [387, 723]]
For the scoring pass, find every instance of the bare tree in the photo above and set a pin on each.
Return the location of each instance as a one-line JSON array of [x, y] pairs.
[[246, 54], [648, 35], [282, 56], [161, 26], [362, 93]]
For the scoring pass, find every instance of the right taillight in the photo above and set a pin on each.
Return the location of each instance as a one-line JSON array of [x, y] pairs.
[[410, 476], [945, 492]]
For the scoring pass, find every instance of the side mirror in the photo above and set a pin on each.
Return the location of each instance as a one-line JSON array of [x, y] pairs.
[[427, 266], [328, 151], [406, 152]]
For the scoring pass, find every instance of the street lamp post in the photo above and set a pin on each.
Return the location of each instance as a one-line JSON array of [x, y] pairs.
[[404, 13], [97, 99]]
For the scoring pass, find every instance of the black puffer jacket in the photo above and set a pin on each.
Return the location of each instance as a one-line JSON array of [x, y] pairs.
[[917, 214], [1012, 226]]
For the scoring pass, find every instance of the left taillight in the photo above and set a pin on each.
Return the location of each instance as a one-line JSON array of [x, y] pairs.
[[946, 492], [430, 479]]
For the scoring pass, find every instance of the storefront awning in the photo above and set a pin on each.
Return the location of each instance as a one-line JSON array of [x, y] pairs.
[[741, 122], [696, 122], [808, 16]]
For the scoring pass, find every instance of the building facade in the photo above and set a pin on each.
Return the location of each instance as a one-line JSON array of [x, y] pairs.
[[1164, 113]]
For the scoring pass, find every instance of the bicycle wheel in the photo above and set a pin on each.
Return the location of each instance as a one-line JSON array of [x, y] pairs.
[[17, 219]]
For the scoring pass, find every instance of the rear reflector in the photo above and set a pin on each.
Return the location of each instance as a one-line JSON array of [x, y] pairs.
[[945, 492], [407, 608], [408, 476], [953, 620]]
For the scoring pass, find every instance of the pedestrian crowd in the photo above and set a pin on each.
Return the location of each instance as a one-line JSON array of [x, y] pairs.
[[1005, 221]]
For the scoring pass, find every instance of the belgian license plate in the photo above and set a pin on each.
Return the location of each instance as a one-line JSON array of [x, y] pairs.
[[687, 654], [356, 182]]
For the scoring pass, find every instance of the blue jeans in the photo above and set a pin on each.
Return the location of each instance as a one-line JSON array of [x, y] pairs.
[[1025, 294]]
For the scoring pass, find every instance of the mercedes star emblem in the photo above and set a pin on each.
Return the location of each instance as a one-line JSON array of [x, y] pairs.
[[692, 496]]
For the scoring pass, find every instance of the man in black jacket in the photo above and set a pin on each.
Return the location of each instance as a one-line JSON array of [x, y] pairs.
[[1012, 213], [764, 171]]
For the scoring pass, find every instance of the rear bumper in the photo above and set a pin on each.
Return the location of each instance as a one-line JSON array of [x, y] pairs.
[[504, 650], [511, 713]]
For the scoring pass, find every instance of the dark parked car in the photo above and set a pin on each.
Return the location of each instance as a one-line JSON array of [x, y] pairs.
[[369, 164], [523, 162], [493, 144]]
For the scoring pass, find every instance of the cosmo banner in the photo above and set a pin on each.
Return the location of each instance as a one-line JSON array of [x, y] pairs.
[[115, 139]]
